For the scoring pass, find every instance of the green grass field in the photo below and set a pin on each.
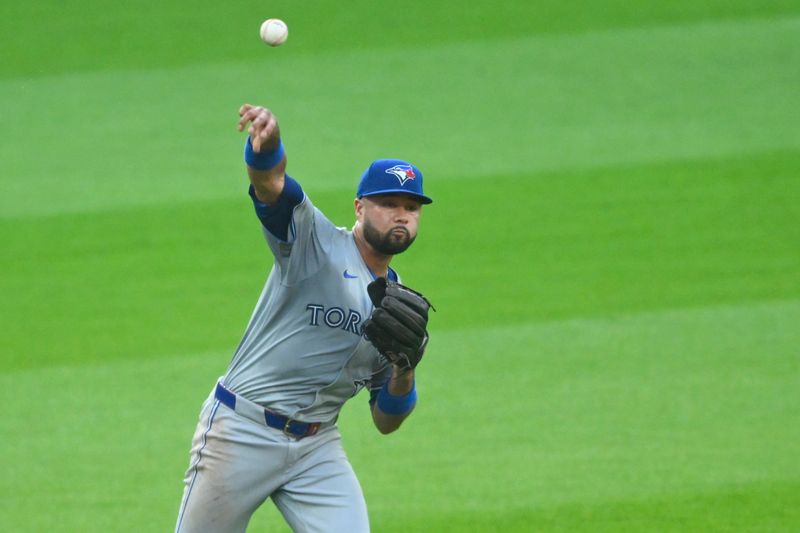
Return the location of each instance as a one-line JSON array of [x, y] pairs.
[[614, 252]]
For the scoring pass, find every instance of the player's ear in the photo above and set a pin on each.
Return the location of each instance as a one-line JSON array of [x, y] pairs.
[[358, 206]]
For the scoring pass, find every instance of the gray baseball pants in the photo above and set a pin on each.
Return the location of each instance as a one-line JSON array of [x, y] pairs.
[[238, 462]]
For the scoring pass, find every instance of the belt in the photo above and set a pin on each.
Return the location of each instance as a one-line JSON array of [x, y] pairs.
[[292, 428]]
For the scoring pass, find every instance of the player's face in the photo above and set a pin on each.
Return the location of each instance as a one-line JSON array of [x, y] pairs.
[[389, 221]]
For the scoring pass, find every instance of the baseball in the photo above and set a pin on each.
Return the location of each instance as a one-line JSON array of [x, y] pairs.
[[274, 32]]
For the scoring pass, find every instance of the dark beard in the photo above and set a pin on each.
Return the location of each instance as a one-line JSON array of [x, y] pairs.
[[388, 243]]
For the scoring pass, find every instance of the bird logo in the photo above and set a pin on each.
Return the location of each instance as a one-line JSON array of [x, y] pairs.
[[403, 173]]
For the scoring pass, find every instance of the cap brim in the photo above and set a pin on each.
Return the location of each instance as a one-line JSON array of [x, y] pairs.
[[421, 197]]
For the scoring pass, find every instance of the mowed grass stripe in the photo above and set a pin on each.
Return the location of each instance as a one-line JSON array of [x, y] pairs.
[[532, 247], [619, 418], [98, 36], [762, 507], [470, 110]]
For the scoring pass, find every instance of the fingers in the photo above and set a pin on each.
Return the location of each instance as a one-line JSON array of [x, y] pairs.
[[262, 124], [261, 130], [254, 114], [248, 113], [242, 112]]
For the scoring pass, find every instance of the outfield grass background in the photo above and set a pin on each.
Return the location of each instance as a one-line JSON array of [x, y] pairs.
[[614, 252]]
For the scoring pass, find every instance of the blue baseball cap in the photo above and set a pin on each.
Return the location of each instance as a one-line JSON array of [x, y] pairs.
[[388, 176]]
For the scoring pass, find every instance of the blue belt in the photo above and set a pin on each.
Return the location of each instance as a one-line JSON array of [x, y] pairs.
[[292, 428]]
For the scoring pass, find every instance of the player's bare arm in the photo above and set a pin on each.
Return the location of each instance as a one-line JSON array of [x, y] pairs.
[[400, 384], [265, 136]]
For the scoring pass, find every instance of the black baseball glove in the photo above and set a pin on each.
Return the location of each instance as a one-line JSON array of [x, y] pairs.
[[397, 327]]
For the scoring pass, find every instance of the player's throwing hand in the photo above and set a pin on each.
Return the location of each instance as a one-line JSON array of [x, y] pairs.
[[264, 131]]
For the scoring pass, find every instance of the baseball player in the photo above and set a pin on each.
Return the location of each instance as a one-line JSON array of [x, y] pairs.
[[332, 319]]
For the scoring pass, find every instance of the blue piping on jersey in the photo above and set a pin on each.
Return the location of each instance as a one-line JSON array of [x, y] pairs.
[[391, 274], [197, 463], [278, 218]]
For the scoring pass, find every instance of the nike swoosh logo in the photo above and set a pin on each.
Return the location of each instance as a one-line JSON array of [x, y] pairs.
[[348, 275]]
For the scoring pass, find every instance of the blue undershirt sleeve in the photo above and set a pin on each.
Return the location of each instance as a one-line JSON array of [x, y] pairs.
[[277, 217]]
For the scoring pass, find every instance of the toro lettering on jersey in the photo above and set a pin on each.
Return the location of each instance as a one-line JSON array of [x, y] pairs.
[[335, 317]]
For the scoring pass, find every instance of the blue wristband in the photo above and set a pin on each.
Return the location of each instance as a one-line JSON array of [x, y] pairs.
[[262, 160], [397, 405]]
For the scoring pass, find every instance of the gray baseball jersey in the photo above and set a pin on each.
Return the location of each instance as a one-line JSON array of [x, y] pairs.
[[302, 354]]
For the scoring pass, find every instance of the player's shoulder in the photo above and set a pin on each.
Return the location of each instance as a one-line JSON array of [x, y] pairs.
[[340, 232]]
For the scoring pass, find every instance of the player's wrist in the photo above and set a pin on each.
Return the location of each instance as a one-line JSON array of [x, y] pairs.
[[401, 381], [404, 372], [397, 404], [266, 160]]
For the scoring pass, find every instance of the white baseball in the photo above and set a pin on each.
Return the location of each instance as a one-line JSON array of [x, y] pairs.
[[274, 32]]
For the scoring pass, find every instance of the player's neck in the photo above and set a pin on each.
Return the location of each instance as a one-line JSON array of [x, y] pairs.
[[377, 262]]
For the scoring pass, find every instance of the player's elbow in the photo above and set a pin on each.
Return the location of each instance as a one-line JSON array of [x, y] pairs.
[[268, 184], [385, 428], [386, 423]]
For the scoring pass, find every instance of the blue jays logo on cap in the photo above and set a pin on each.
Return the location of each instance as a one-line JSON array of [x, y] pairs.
[[388, 176], [403, 173]]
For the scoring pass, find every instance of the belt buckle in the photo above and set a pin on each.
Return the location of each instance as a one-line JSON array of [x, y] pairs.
[[289, 433]]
